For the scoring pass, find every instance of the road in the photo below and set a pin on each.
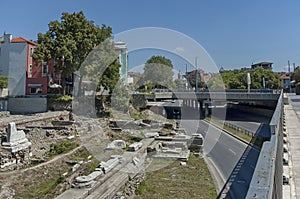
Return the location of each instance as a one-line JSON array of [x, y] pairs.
[[250, 122], [234, 160]]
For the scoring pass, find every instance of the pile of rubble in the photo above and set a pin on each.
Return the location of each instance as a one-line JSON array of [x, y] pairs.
[[130, 187], [16, 140], [18, 147], [104, 168]]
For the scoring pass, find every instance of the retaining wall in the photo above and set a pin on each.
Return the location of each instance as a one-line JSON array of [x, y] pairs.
[[23, 105]]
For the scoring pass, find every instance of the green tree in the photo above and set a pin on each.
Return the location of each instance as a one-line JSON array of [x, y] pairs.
[[215, 82], [3, 82], [272, 79], [158, 72], [237, 79], [296, 74], [69, 42], [101, 66]]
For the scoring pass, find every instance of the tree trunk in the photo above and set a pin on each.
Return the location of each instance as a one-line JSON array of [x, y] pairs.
[[63, 82]]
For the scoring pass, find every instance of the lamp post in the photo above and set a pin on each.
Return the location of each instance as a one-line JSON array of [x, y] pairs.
[[196, 74], [248, 81]]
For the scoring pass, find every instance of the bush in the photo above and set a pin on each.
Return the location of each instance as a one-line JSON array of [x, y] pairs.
[[3, 81], [63, 98]]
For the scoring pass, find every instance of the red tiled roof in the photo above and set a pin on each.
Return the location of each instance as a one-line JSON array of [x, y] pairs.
[[284, 76], [22, 40]]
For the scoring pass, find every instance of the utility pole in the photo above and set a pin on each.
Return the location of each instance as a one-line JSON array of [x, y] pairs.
[[187, 79], [294, 66], [196, 74], [289, 76]]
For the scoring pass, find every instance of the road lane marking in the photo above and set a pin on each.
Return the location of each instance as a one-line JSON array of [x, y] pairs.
[[232, 151]]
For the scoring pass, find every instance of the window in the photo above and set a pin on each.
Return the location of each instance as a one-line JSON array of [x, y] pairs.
[[30, 69], [31, 52], [35, 90], [45, 70]]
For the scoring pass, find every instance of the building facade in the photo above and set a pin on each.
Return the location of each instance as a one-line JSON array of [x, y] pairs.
[[25, 76], [121, 50], [265, 65]]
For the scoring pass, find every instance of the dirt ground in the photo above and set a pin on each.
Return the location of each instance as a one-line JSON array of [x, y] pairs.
[[52, 175]]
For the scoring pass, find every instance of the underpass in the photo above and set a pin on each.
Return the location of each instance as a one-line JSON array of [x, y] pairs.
[[238, 163]]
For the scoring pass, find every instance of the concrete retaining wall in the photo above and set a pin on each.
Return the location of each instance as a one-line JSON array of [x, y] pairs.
[[253, 109], [27, 105]]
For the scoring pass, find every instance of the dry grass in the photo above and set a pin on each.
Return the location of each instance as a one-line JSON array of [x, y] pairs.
[[47, 181], [243, 136], [176, 181]]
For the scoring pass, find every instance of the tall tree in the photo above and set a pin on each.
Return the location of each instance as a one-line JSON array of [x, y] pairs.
[[158, 71], [296, 74], [237, 79], [69, 42]]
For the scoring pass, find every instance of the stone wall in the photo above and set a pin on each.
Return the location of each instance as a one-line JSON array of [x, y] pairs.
[[27, 105]]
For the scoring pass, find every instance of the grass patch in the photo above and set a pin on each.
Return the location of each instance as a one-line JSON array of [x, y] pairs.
[[47, 181], [44, 182], [243, 136], [176, 181], [62, 146], [42, 188], [137, 116]]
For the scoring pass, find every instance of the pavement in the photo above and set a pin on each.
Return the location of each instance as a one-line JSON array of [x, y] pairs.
[[292, 170]]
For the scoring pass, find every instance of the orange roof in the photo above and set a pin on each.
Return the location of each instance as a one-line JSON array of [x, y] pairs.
[[284, 76], [22, 40]]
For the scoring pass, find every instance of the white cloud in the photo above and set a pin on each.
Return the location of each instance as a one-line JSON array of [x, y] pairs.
[[179, 49]]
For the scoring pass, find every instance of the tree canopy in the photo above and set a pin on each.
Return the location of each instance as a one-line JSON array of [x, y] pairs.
[[158, 72], [3, 82], [237, 79], [69, 41], [296, 74]]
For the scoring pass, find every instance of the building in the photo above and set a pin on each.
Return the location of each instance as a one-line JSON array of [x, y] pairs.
[[121, 50], [133, 77], [25, 76], [265, 65], [285, 81]]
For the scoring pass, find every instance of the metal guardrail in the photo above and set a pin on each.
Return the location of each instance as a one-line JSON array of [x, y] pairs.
[[267, 178]]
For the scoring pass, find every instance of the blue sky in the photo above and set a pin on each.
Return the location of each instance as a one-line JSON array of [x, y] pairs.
[[235, 33]]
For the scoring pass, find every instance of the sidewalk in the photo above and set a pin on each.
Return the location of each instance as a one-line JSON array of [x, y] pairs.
[[292, 170]]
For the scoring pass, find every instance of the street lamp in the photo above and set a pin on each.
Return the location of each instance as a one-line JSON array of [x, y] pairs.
[[196, 74]]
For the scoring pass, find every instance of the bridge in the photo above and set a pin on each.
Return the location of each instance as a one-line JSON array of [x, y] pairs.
[[229, 94]]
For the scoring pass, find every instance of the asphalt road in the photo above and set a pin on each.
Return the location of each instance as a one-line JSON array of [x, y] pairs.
[[234, 160], [251, 122]]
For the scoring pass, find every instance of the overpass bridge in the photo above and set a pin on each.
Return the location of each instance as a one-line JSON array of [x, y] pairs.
[[229, 95]]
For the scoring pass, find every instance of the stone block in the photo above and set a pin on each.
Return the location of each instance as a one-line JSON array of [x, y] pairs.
[[16, 140]]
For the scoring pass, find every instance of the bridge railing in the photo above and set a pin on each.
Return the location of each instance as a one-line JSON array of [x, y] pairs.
[[262, 90], [267, 178]]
